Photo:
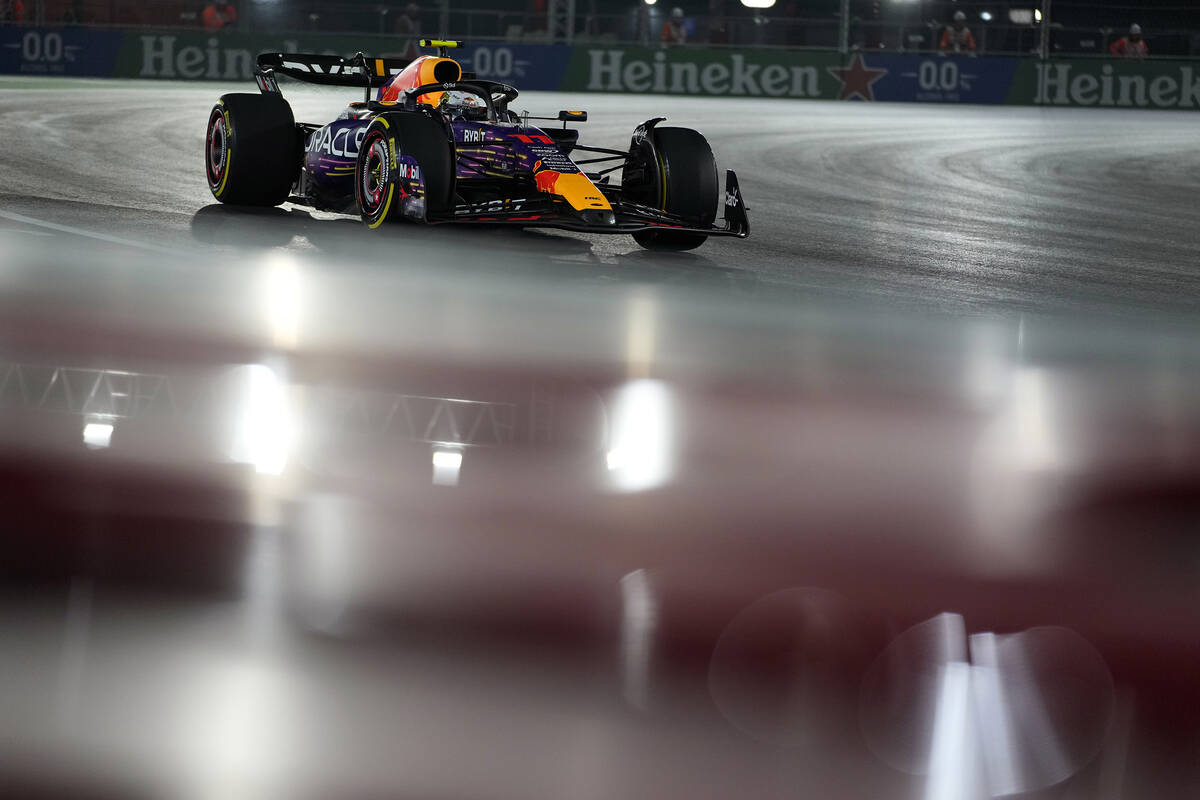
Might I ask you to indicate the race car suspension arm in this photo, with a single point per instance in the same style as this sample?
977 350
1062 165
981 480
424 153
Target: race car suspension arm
604 172
610 155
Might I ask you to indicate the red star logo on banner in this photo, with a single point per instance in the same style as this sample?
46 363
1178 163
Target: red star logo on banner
857 79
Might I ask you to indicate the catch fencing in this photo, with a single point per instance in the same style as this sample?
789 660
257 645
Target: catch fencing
998 27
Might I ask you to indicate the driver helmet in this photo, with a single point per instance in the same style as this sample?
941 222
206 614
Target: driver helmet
960 16
677 13
463 104
1135 30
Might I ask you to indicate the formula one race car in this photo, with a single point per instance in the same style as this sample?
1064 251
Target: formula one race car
436 145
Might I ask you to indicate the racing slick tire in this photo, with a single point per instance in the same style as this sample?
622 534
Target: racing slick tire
382 176
685 183
252 150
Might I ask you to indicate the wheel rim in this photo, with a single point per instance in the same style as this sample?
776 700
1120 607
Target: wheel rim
373 180
217 146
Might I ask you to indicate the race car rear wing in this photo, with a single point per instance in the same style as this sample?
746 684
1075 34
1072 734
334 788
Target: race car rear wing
357 71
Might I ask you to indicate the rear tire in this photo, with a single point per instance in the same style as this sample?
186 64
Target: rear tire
383 184
684 183
252 150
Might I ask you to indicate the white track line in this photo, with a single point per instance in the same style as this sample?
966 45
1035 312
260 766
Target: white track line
25 232
103 237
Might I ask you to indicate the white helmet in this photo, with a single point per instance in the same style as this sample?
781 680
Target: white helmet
960 16
1135 30
465 104
677 12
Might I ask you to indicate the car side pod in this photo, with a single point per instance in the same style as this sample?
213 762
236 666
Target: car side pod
736 220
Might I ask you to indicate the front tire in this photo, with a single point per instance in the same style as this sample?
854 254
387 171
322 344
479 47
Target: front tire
252 150
680 177
405 168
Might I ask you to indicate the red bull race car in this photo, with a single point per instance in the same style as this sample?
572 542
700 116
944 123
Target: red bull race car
434 145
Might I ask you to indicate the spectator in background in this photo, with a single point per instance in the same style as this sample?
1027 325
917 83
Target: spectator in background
639 17
408 22
957 38
718 31
219 16
74 14
535 19
1132 45
12 11
673 30
792 32
408 28
591 20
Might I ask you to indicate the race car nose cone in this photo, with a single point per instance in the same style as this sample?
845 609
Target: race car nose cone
604 218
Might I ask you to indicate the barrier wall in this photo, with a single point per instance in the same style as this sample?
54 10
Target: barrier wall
195 55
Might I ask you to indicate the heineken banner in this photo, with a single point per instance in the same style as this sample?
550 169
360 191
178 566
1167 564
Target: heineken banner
727 72
780 73
881 77
231 56
1158 84
195 55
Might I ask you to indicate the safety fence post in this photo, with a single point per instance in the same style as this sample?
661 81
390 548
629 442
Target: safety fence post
844 28
1044 44
560 21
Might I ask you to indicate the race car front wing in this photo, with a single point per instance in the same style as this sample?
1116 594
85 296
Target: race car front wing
626 217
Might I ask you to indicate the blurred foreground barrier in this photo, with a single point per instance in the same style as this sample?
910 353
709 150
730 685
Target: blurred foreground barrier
762 72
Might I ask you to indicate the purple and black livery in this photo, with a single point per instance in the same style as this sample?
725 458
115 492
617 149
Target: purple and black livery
451 151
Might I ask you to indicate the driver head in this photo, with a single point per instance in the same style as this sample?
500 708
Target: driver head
463 105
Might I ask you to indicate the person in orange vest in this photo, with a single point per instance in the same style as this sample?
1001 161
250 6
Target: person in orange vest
217 16
673 31
957 38
1131 45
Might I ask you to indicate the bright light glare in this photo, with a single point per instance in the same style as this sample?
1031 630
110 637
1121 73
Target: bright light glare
651 2
953 772
326 565
639 619
988 371
986 16
1037 14
263 436
281 294
97 435
446 466
758 3
639 456
229 730
993 711
1035 438
641 334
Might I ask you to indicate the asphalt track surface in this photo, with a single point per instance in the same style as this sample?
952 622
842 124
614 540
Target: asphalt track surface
957 209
